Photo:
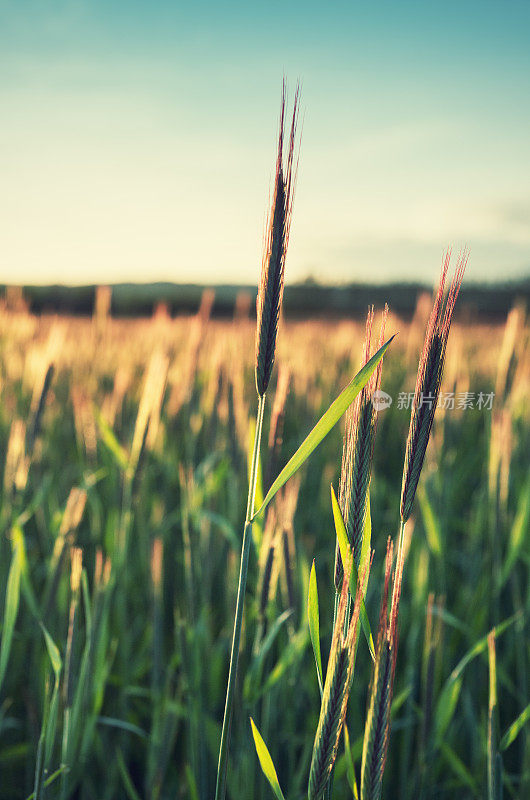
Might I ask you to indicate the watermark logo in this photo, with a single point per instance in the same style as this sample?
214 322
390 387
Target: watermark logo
449 401
381 400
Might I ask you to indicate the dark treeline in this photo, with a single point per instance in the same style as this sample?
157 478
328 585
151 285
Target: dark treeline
301 300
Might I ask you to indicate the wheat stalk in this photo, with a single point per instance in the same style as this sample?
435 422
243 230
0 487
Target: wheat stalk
428 383
376 731
339 677
268 312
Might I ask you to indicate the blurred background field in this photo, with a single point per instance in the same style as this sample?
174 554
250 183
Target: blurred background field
302 299
124 442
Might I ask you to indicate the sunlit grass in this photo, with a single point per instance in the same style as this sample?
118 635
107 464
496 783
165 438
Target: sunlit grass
149 421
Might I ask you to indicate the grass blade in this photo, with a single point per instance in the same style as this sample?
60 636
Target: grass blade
517 534
128 784
18 543
492 717
459 768
48 782
449 695
314 624
432 526
257 527
192 785
515 728
266 762
110 441
350 766
251 683
324 425
53 652
11 610
291 653
446 707
123 725
51 723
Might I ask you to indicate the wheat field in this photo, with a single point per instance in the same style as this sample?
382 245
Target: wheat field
125 450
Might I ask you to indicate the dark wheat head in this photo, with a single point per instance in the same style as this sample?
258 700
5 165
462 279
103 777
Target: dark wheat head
270 291
357 454
428 382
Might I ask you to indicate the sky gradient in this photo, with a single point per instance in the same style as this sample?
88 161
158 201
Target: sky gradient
138 139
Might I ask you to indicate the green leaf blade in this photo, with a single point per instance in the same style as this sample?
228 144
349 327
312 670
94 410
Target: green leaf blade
11 610
448 699
517 533
108 437
431 523
459 768
314 624
324 425
515 728
446 707
53 652
266 762
251 684
19 543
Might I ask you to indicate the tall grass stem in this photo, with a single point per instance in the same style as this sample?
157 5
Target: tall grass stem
220 788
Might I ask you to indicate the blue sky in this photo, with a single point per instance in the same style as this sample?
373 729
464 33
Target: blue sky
138 139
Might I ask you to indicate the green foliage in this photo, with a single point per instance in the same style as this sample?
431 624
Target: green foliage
136 731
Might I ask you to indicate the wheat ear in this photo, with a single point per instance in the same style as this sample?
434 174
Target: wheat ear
429 379
268 312
357 453
270 293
